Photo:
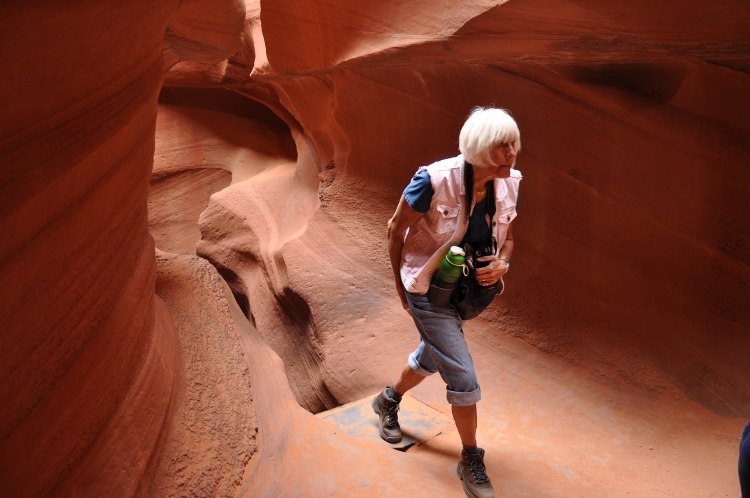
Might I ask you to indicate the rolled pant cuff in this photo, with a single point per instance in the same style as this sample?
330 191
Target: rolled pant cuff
414 365
464 399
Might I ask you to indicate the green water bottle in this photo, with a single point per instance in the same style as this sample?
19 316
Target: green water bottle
452 265
446 277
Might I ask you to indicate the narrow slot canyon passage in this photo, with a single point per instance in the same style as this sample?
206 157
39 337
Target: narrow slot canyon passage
195 260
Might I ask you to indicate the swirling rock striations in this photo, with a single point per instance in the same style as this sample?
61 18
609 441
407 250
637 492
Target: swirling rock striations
634 138
92 365
280 136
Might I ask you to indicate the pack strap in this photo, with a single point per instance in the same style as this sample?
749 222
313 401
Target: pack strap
490 206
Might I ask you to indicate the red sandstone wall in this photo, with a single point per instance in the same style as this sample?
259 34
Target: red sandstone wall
92 368
84 351
620 230
634 239
632 257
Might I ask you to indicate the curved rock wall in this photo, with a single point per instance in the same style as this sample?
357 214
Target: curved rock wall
285 134
633 241
92 367
85 350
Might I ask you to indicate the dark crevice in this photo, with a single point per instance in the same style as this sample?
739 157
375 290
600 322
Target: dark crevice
223 100
297 319
236 286
653 82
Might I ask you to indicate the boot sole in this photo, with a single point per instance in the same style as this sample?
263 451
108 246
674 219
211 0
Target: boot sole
463 483
385 438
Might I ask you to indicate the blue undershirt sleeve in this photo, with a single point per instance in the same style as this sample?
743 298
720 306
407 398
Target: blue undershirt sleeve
418 193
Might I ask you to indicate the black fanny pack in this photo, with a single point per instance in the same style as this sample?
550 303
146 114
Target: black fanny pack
470 299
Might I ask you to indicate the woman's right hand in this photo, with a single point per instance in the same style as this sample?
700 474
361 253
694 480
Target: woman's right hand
404 217
402 296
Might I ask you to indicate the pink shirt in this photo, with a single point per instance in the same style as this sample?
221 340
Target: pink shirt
444 224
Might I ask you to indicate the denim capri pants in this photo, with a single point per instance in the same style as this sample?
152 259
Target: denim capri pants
443 349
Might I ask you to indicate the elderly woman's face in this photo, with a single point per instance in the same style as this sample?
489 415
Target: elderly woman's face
503 153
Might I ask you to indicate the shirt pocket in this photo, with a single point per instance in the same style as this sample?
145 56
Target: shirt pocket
506 216
446 218
500 225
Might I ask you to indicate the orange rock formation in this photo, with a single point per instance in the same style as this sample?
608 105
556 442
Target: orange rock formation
194 197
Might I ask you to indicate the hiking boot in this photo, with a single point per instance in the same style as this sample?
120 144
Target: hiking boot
387 409
472 473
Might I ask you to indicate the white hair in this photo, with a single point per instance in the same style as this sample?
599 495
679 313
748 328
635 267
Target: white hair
484 128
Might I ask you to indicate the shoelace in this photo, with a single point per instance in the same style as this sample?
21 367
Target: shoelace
479 471
392 414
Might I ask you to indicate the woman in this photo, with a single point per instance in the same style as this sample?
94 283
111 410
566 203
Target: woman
434 214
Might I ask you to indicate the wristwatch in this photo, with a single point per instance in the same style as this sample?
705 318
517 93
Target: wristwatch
507 265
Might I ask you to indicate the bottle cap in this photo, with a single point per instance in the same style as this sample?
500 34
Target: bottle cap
457 251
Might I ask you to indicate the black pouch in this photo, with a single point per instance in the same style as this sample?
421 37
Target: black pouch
440 292
470 299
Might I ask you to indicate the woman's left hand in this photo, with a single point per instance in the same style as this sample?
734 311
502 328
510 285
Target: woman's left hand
490 274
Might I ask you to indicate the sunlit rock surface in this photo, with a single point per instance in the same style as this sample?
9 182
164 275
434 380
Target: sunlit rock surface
194 198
